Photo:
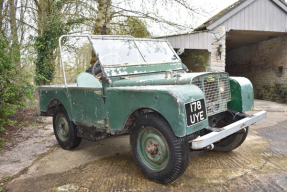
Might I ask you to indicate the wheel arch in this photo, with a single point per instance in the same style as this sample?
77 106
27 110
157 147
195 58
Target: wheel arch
135 114
51 107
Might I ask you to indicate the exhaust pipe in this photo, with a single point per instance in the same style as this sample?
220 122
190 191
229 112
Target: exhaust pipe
208 147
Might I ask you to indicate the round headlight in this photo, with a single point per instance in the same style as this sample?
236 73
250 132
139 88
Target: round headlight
222 87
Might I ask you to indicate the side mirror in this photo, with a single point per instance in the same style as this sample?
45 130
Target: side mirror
180 51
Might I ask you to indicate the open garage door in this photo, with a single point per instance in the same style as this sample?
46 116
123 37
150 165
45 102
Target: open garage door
262 58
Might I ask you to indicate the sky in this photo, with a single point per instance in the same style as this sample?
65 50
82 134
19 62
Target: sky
176 14
212 7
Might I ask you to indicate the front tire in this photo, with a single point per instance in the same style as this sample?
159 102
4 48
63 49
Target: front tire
160 155
233 141
65 130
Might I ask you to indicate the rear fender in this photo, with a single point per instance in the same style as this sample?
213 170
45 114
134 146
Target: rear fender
51 97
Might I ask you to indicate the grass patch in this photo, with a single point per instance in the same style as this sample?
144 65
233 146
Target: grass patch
41 156
7 179
29 123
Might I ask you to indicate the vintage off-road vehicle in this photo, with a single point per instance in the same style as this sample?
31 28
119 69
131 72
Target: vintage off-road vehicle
141 87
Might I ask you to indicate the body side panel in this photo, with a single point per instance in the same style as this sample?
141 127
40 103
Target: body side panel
88 105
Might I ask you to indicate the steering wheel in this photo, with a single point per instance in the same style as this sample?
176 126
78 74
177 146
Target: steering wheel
96 71
111 54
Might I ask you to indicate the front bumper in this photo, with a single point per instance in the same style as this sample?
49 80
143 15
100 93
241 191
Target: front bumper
213 137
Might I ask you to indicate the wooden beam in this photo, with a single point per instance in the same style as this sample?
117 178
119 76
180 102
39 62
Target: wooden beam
280 4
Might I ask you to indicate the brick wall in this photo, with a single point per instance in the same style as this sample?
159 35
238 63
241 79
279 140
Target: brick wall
265 64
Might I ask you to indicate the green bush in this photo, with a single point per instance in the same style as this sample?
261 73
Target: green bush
14 87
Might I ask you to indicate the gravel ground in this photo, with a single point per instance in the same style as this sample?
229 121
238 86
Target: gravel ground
260 164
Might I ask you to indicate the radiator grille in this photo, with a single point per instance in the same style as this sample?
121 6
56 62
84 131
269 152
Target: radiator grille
217 92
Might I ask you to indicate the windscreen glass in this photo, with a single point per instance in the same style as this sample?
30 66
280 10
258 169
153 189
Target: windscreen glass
117 51
126 51
156 51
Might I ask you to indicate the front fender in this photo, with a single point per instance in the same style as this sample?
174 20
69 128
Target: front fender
242 96
167 100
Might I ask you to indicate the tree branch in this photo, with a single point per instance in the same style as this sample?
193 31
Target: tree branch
37 4
28 25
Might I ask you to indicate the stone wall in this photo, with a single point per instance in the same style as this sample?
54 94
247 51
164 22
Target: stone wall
265 64
196 60
218 38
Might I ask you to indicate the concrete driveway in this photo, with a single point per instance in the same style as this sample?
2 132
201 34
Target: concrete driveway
260 164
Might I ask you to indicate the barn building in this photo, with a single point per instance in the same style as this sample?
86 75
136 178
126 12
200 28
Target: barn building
249 39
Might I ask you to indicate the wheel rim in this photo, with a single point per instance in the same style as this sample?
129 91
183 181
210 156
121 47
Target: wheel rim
62 127
153 148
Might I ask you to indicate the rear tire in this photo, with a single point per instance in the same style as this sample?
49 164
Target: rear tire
231 142
170 158
65 130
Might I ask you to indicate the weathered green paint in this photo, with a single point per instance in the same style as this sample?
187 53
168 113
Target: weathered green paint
87 105
154 91
48 94
178 78
83 105
163 87
242 96
143 68
148 136
167 100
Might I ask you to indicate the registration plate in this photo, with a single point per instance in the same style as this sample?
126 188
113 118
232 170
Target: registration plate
195 112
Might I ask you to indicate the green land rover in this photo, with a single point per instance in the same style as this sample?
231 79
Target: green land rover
140 87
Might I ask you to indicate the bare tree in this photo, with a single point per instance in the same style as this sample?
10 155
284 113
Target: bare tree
14 33
109 10
102 24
